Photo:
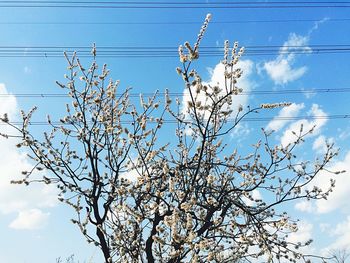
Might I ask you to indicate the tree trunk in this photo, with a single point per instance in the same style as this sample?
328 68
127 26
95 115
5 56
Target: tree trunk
103 244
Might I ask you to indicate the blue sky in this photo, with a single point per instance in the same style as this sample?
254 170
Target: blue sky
37 228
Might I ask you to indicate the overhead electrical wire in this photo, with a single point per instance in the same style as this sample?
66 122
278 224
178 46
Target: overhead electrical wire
168 47
247 119
172 2
167 22
174 5
164 51
179 94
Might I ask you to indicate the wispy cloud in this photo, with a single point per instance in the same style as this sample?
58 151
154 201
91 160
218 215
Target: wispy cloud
320 144
341 232
30 219
291 111
19 199
317 25
304 234
338 198
288 135
281 70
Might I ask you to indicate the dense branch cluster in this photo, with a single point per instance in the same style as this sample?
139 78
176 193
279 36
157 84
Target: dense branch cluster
193 199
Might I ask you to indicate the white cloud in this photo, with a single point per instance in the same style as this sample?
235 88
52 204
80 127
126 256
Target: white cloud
290 111
18 198
308 93
339 198
317 25
320 144
7 104
218 79
342 133
303 234
281 69
342 236
281 72
308 124
30 219
256 195
304 206
241 131
132 173
294 42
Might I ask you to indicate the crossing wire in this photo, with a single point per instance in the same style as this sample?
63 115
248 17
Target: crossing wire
174 2
247 119
164 51
169 22
174 5
178 94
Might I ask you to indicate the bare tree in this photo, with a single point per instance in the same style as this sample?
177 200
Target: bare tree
340 256
69 259
192 199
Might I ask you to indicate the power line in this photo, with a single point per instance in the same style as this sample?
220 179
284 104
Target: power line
175 2
163 51
247 119
174 5
179 94
170 22
172 47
